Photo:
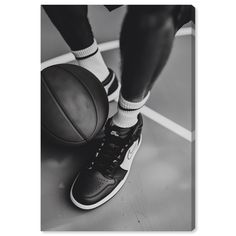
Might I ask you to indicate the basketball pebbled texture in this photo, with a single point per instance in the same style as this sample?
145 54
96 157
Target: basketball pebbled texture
74 104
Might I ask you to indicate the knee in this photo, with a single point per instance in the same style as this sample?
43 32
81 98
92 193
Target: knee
151 17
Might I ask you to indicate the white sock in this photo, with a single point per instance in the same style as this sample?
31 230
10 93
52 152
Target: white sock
127 113
91 59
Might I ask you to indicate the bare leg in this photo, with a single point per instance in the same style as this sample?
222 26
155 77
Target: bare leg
146 40
72 23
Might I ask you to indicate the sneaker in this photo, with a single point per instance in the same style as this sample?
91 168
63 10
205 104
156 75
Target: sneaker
112 86
109 169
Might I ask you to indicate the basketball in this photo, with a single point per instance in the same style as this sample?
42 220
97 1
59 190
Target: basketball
74 104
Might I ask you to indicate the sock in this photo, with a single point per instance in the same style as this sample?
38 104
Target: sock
127 113
91 59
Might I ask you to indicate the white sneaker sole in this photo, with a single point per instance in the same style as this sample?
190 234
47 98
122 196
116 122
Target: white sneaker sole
109 196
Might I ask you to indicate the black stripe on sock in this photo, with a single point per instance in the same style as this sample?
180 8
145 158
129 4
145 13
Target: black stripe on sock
125 109
108 79
82 58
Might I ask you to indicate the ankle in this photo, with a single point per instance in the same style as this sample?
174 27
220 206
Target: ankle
91 59
127 114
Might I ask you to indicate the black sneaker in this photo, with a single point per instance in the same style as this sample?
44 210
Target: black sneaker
110 167
112 86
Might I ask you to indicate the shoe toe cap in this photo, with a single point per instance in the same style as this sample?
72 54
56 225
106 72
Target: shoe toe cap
91 187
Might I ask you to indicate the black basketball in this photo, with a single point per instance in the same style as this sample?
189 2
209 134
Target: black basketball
74 104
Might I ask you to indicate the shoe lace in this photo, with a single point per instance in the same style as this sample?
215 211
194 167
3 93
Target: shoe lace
108 155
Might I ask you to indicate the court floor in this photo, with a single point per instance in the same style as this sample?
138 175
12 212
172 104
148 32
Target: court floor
159 192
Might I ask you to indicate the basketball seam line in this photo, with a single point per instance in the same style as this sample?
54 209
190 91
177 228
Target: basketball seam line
62 139
61 107
93 100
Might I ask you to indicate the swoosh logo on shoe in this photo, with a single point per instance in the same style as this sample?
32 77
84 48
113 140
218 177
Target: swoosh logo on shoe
131 151
129 157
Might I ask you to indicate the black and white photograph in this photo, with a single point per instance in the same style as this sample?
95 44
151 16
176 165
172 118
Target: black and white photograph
118 117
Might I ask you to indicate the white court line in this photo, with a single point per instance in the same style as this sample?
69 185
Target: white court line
151 114
104 47
167 123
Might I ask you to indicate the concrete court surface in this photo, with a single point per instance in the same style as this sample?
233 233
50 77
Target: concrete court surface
159 192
